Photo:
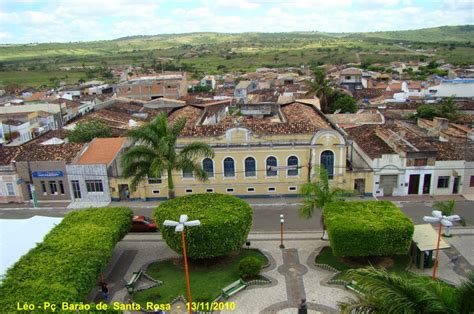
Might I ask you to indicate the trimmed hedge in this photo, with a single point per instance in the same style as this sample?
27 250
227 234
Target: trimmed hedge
225 224
376 228
66 265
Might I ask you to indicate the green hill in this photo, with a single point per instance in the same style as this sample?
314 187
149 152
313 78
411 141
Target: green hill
213 53
462 33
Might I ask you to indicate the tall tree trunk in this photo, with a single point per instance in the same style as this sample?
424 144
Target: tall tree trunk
171 194
325 235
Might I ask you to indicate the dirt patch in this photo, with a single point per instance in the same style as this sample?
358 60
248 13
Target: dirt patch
376 261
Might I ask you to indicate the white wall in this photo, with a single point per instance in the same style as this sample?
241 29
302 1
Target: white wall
466 180
447 168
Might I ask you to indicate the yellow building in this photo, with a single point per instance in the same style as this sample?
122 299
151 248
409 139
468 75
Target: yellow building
260 150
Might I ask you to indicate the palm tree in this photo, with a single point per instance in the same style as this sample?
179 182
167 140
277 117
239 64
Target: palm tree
319 87
381 291
448 109
447 208
155 153
317 194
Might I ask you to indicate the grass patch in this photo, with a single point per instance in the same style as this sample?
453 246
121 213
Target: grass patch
207 277
396 263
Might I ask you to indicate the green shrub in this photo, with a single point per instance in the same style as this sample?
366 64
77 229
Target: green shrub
375 228
66 265
86 131
250 267
225 224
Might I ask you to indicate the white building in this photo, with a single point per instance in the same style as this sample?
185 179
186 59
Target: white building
459 88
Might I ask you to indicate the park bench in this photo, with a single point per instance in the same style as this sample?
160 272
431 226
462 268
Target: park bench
353 286
233 288
130 285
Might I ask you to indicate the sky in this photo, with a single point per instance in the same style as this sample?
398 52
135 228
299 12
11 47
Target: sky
31 21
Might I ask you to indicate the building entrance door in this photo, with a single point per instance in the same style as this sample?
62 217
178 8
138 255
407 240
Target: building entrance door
388 183
426 184
124 192
359 186
414 184
456 185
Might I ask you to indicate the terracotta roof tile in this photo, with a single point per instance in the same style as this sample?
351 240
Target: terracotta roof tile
102 151
300 119
370 143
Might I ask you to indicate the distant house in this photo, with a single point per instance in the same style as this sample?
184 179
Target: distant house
243 88
208 81
351 78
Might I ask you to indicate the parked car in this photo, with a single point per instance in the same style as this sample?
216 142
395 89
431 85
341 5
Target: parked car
143 224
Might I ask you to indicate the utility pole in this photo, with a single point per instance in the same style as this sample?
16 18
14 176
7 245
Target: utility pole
32 186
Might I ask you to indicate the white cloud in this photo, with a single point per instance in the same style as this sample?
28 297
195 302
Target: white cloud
94 20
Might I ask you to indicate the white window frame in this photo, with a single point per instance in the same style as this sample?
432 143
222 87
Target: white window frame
227 190
250 188
155 191
13 188
271 187
292 188
210 190
188 191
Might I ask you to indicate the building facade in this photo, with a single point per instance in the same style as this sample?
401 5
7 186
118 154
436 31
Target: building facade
264 155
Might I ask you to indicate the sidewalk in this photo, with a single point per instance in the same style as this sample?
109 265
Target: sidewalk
260 201
422 198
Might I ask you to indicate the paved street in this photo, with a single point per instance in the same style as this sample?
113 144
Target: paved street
266 212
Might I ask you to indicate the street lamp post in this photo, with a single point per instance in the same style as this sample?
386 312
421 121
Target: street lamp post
447 221
282 221
30 186
179 227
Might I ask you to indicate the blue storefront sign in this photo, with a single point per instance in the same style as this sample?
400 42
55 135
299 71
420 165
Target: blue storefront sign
48 174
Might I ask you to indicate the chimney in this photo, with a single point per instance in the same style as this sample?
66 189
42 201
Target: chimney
440 123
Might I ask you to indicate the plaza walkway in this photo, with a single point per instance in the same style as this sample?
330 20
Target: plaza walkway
292 271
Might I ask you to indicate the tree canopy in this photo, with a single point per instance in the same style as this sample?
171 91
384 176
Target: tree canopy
88 130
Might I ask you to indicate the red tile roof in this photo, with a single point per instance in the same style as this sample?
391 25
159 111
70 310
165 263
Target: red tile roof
102 151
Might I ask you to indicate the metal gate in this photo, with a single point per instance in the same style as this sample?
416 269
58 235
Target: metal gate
388 184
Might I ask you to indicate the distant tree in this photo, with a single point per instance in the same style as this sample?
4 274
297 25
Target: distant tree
319 87
344 102
448 109
200 89
222 68
88 130
425 112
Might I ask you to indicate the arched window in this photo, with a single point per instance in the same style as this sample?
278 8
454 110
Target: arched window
271 167
208 166
250 170
292 164
327 161
229 167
